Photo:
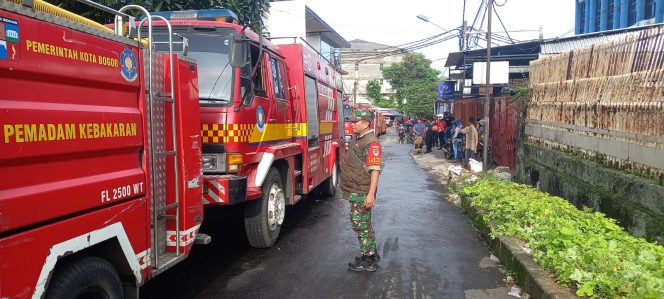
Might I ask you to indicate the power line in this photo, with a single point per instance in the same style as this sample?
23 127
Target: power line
500 5
413 46
481 10
501 21
406 45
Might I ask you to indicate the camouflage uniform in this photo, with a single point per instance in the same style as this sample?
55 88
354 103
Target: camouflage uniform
360 217
364 156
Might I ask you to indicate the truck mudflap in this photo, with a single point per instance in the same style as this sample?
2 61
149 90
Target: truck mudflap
224 189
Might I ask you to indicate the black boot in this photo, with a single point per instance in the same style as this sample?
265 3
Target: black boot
375 257
364 263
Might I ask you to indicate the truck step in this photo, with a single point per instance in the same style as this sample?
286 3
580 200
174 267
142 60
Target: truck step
298 173
202 239
297 198
165 154
166 261
164 96
168 207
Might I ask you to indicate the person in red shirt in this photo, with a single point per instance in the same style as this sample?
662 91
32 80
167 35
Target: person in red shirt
441 134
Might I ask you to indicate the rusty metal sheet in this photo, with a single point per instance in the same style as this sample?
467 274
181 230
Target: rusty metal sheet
464 109
504 126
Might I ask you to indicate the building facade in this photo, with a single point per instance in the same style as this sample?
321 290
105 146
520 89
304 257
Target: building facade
292 21
364 61
603 15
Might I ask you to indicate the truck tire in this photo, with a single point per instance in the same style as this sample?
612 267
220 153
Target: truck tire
330 185
90 277
263 217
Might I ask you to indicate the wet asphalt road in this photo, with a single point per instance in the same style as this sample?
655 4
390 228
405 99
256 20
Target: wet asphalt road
428 249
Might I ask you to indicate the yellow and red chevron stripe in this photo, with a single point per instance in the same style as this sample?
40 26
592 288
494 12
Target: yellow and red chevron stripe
213 133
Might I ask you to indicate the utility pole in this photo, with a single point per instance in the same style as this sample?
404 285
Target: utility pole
357 81
489 92
541 32
464 47
463 35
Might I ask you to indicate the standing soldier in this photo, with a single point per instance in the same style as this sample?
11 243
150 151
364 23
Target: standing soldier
359 183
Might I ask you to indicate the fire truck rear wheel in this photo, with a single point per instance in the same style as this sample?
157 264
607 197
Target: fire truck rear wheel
330 185
263 217
90 277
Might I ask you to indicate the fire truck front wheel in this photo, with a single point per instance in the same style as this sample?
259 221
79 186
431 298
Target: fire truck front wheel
330 185
263 217
89 277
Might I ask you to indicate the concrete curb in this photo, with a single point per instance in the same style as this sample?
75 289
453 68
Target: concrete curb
528 274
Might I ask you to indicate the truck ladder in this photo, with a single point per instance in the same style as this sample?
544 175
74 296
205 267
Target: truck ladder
162 143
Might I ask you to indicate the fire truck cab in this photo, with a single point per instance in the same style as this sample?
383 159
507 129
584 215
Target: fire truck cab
270 122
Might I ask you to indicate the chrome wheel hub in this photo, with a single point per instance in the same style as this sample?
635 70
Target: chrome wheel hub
276 207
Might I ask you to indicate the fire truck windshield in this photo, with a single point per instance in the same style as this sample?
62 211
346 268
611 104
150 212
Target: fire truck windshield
210 49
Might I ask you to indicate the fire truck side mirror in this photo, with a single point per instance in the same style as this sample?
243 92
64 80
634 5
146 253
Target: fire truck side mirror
185 43
238 50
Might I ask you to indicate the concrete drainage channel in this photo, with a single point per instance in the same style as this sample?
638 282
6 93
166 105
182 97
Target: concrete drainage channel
535 281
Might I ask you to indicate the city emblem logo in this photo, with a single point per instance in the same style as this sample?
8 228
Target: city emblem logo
11 33
128 63
260 119
376 151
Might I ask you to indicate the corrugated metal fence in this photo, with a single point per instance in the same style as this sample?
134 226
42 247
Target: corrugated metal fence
607 100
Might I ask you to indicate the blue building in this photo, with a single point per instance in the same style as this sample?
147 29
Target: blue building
602 15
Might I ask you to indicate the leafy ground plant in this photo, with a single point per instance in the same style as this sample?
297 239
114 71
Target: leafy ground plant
584 249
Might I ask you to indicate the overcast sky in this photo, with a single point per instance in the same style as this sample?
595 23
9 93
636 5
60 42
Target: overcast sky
391 22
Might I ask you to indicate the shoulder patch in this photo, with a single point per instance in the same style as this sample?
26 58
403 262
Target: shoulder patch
374 157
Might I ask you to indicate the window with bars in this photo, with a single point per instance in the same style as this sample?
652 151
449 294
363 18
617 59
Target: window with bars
598 14
631 12
610 14
582 15
650 9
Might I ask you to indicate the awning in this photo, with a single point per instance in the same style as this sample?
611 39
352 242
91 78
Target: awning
316 25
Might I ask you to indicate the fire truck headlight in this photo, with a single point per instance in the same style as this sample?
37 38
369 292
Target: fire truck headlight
233 163
210 162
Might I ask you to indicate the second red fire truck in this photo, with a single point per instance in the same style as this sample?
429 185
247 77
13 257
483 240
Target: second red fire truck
270 119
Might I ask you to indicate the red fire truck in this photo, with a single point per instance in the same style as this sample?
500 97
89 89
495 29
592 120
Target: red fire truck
107 143
100 172
269 119
348 130
379 123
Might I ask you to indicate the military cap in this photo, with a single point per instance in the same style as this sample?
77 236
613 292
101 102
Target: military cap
361 115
